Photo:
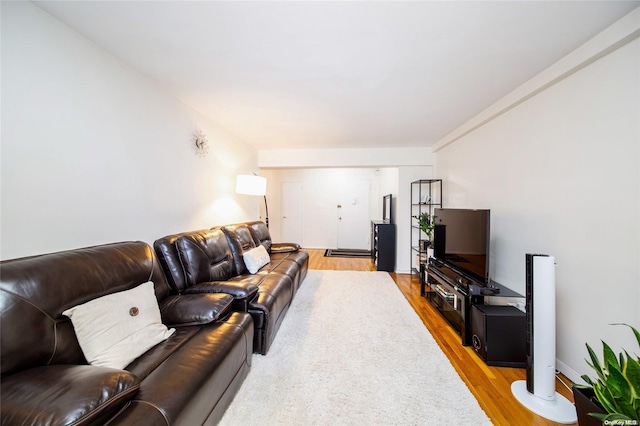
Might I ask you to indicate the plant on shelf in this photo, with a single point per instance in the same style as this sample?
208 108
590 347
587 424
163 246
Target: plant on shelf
426 222
617 386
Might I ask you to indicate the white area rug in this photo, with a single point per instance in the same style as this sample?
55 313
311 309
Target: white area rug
352 351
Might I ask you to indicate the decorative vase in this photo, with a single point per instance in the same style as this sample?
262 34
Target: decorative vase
425 244
585 404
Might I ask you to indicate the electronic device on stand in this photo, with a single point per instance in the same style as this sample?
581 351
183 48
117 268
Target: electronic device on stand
457 277
458 272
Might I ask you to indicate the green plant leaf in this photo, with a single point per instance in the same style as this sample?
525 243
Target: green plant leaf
609 357
625 408
618 383
604 397
595 364
587 379
632 373
599 416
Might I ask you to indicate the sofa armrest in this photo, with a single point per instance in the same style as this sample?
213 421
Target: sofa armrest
195 309
237 289
284 247
66 394
243 292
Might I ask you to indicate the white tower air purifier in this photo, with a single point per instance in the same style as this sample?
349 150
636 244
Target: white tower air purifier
538 392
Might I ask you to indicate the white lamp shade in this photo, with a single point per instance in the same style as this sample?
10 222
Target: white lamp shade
251 185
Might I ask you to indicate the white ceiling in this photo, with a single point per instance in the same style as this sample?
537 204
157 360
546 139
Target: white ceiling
339 74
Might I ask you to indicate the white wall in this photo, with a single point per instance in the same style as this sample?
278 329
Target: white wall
93 153
345 157
321 193
560 172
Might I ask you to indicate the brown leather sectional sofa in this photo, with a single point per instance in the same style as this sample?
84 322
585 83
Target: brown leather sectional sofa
190 378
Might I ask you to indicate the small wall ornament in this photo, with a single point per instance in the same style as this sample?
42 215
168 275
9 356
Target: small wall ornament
200 143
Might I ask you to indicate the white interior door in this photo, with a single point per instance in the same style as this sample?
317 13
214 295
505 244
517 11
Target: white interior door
354 214
291 220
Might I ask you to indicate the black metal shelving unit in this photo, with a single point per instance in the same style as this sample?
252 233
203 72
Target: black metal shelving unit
426 196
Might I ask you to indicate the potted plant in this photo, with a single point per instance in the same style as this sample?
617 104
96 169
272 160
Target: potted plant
426 222
616 389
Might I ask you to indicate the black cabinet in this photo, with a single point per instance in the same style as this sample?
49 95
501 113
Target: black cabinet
383 245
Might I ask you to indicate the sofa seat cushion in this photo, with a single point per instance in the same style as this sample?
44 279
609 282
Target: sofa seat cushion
195 309
300 257
247 279
197 368
282 267
278 285
115 329
66 394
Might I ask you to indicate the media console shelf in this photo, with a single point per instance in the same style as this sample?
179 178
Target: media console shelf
453 295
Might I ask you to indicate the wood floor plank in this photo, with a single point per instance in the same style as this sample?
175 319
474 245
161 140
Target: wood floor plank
490 385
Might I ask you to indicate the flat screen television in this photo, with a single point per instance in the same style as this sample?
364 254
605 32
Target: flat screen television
387 208
461 241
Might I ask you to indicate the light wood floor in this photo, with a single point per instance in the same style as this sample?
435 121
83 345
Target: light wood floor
490 385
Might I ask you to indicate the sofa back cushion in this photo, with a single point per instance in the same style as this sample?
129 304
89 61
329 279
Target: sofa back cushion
240 240
169 258
34 291
261 234
205 256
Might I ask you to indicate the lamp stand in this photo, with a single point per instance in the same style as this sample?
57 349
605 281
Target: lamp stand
266 212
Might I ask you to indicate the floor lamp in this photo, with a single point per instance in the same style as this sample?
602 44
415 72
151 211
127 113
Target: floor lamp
254 185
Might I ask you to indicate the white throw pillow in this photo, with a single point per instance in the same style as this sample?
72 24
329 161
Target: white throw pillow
115 329
256 258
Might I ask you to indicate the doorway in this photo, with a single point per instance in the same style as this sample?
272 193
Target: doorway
353 209
291 217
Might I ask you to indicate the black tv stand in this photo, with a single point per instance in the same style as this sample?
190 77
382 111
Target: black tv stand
450 292
453 293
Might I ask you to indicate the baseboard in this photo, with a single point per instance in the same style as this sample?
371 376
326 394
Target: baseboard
571 374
